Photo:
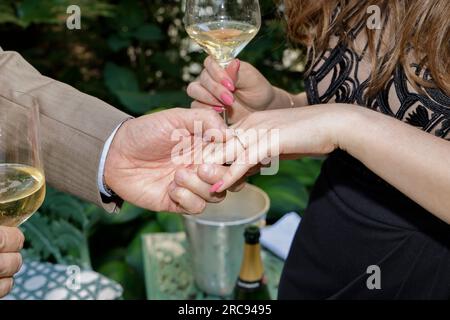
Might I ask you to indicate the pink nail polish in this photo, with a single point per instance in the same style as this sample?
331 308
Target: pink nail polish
227 99
218 109
228 84
216 187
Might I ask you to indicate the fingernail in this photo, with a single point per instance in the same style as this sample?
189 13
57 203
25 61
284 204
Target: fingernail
218 109
227 99
216 187
228 84
238 62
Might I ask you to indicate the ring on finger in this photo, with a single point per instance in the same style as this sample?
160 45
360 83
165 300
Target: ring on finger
239 138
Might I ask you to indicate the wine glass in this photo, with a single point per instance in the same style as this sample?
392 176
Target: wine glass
22 180
222 27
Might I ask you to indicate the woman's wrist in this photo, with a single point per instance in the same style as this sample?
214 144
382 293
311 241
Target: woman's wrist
351 123
281 99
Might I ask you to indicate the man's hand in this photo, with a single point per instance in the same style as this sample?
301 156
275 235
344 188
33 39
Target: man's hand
140 170
11 242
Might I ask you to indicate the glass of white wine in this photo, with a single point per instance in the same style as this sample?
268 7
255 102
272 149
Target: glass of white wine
223 28
22 180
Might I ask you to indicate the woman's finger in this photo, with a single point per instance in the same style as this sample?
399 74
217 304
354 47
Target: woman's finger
11 239
6 285
225 153
237 143
196 91
188 201
245 161
211 173
10 264
218 74
216 89
238 186
188 179
200 105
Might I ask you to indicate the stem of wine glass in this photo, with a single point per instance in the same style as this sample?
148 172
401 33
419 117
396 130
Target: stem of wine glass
224 65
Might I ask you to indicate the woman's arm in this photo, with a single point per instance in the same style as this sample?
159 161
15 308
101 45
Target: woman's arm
415 162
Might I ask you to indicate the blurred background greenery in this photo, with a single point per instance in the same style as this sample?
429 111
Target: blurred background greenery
135 55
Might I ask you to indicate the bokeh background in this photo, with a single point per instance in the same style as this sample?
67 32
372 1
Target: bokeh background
135 55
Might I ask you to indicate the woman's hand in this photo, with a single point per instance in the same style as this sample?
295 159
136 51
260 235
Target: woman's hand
197 182
11 242
240 88
263 135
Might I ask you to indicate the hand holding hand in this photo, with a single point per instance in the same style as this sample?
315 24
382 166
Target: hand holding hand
11 242
139 166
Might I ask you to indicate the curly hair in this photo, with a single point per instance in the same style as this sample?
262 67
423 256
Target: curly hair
412 31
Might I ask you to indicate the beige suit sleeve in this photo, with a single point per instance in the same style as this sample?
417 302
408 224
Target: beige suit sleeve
74 125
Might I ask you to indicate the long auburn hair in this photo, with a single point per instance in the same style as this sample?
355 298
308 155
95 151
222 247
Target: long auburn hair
412 31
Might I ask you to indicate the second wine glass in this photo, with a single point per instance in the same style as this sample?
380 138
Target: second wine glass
222 27
22 181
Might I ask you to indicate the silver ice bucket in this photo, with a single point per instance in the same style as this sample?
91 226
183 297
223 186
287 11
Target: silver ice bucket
216 238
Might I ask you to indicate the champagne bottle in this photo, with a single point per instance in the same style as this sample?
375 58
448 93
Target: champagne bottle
251 284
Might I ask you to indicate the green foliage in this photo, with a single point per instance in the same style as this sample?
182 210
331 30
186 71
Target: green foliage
135 55
289 189
26 12
60 231
126 275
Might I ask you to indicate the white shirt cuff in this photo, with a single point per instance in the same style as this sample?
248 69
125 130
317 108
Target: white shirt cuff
101 167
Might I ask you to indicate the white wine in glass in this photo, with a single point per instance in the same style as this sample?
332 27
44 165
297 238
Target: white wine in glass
222 27
22 180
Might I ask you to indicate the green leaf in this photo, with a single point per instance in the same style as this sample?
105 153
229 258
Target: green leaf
148 32
116 43
31 11
38 233
140 103
129 16
286 194
155 110
305 170
171 68
51 11
284 200
72 241
93 215
59 232
128 213
61 205
120 78
130 280
8 14
134 250
112 254
170 222
69 236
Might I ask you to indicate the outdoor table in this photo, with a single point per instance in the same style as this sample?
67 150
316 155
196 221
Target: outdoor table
168 271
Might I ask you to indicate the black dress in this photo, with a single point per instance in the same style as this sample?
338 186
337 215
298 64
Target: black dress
356 220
